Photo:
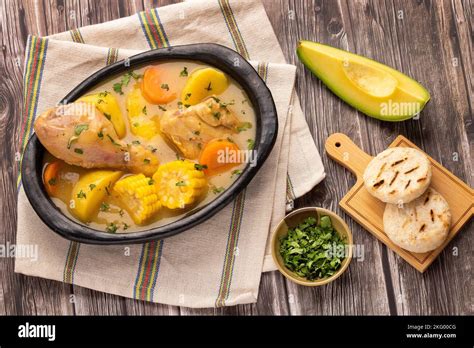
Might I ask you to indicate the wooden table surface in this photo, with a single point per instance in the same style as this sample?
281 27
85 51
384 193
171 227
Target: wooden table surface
429 40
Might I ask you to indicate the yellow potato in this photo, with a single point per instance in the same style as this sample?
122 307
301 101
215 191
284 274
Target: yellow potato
89 192
142 123
109 106
202 84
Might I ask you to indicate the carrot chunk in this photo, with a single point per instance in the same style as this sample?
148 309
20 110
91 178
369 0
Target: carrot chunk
154 88
219 156
51 177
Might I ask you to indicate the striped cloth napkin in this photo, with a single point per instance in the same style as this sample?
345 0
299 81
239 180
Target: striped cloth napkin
219 262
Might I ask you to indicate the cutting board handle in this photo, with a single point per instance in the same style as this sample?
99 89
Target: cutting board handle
343 150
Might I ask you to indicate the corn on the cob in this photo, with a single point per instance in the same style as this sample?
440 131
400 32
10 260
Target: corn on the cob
179 183
139 197
142 123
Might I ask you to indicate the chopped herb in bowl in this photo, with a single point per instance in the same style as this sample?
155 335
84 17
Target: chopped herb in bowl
308 249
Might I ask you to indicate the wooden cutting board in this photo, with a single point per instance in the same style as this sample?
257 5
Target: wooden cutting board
368 210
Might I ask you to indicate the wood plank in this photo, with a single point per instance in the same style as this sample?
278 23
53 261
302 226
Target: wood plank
20 295
329 22
429 43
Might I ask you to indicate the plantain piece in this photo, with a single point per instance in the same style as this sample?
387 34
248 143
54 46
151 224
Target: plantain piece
138 194
90 191
203 83
179 183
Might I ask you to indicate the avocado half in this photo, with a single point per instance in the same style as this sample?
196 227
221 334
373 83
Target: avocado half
371 87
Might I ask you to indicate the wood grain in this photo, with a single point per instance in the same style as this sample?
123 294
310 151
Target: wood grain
429 40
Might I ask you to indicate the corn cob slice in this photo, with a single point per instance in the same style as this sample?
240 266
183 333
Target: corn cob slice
138 195
179 183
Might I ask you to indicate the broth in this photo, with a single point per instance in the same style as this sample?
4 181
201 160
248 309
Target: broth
112 215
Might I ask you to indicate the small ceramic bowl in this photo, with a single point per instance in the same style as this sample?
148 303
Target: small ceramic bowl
292 220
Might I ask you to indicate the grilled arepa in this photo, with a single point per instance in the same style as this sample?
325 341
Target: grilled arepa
418 226
398 175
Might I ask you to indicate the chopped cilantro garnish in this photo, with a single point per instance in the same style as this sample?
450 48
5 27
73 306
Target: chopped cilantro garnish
118 87
125 81
79 151
250 144
311 250
80 128
104 206
198 166
244 126
217 190
184 72
236 172
111 228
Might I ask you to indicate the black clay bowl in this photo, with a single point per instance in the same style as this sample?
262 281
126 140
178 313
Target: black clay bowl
218 56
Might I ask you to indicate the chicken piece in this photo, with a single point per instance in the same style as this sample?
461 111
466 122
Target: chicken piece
189 129
81 135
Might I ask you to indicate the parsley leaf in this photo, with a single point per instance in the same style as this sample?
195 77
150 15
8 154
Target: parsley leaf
198 166
250 144
184 72
80 128
312 250
244 126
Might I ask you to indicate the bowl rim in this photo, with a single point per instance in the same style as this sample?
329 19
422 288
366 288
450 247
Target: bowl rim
291 275
215 55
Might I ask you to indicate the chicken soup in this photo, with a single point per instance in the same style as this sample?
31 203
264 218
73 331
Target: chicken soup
144 148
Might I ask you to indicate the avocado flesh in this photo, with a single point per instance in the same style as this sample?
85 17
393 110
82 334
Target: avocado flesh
371 87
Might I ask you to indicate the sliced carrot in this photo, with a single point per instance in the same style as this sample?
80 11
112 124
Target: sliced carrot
51 177
219 156
154 88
